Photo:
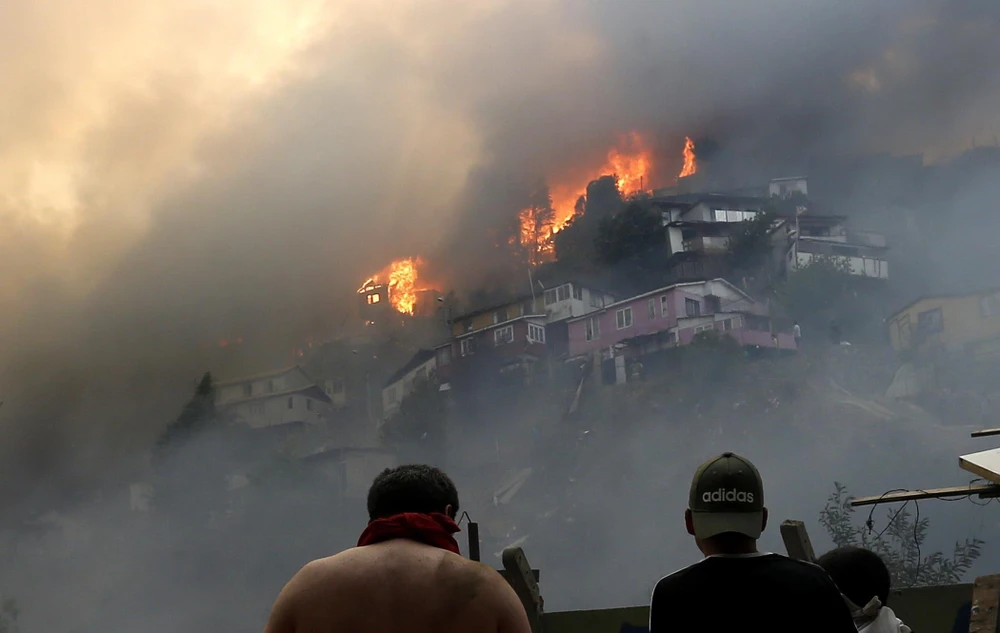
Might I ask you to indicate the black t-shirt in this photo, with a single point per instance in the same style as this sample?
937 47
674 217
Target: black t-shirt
760 593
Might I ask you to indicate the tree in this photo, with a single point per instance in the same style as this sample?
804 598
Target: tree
536 223
628 234
198 413
421 418
898 543
823 293
749 248
574 243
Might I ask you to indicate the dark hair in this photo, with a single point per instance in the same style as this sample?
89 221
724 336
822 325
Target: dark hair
411 488
860 574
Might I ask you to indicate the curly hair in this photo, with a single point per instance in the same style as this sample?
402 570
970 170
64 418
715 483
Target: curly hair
411 488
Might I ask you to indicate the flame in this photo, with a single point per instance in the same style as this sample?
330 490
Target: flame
630 161
402 277
690 159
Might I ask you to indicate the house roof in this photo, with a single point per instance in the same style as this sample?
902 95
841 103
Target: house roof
787 178
515 300
270 374
418 359
661 290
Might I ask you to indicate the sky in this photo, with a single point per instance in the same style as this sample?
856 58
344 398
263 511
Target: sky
175 173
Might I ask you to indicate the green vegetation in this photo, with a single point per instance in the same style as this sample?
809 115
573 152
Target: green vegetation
421 418
899 543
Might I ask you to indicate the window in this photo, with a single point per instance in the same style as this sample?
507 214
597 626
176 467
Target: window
727 325
291 403
596 300
713 304
270 386
733 215
556 295
309 404
651 305
468 326
504 335
930 322
692 307
737 323
704 328
373 299
624 318
536 333
467 346
500 316
336 386
663 306
593 328
528 307
989 306
257 409
247 390
578 293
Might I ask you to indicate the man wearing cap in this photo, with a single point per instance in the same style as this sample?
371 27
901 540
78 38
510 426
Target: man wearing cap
736 587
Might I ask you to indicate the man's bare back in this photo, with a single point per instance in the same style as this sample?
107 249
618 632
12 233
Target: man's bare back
397 586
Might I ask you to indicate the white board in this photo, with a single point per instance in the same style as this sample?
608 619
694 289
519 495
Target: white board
986 464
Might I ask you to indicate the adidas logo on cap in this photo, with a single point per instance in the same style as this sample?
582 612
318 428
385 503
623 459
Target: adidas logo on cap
722 494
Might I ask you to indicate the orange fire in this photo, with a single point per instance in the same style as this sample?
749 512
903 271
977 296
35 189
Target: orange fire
690 159
401 279
630 161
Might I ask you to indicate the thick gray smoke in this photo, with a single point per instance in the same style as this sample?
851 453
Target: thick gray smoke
182 173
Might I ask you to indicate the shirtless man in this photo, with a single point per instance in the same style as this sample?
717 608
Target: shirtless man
405 576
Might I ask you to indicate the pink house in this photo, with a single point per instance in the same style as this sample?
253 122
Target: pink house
671 316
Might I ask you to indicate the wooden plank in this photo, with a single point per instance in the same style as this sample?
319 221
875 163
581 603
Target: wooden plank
985 605
986 433
986 464
797 542
522 579
983 490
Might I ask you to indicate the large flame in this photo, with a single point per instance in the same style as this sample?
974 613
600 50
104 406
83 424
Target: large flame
690 159
401 278
630 161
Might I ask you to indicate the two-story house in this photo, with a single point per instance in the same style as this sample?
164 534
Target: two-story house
961 323
813 236
673 315
401 383
523 330
285 397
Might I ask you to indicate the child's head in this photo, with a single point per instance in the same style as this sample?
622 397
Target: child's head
860 574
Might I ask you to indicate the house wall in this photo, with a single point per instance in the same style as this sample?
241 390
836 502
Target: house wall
863 266
787 187
514 309
265 412
393 394
572 307
964 321
290 380
643 324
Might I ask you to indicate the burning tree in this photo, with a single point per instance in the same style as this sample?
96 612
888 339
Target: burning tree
537 221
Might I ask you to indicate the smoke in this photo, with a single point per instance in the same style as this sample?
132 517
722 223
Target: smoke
176 173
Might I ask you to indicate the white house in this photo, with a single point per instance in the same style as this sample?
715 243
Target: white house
828 236
785 187
400 384
288 396
572 299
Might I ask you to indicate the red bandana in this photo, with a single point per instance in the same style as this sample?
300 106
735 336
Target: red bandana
431 529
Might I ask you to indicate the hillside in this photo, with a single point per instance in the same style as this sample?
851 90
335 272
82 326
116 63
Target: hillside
605 489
